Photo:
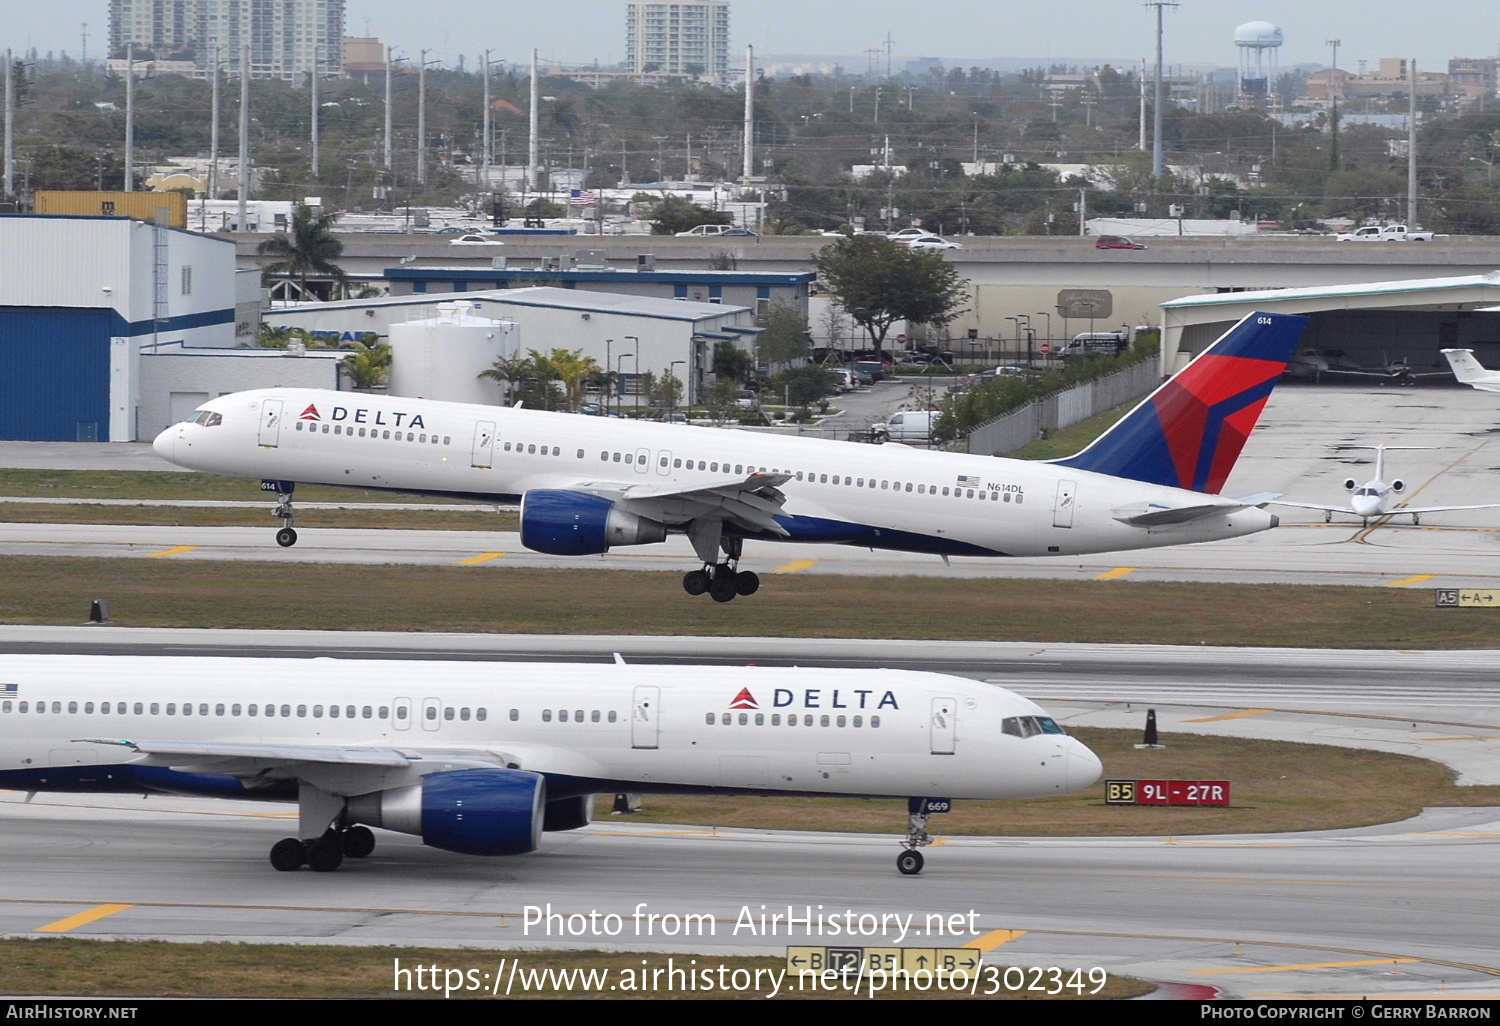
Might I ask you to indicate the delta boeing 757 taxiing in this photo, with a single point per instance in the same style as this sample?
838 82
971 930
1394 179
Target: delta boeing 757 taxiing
481 757
587 485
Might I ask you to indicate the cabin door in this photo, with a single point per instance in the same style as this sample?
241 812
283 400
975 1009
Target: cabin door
484 445
1062 512
944 727
645 727
270 423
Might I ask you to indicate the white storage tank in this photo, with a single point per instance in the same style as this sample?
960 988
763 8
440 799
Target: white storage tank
442 357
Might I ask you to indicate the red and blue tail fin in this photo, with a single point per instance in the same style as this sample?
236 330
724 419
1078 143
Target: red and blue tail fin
1189 432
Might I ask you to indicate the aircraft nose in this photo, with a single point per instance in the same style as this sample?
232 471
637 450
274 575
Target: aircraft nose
1084 766
165 444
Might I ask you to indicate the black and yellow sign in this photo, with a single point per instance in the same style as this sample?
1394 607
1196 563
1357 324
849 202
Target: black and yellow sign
856 962
1467 598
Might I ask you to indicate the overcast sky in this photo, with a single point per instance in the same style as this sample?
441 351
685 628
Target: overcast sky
1199 31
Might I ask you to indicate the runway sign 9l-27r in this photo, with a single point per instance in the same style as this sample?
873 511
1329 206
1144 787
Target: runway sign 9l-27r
1166 792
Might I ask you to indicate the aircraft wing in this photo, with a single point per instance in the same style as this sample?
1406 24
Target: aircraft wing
1317 506
273 754
751 502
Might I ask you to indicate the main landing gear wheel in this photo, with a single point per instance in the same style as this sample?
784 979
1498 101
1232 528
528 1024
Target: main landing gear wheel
725 585
747 582
288 855
358 842
909 863
325 855
286 537
695 582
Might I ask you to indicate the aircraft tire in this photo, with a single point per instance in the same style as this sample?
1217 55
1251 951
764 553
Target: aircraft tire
695 582
325 856
724 587
286 537
287 855
358 842
909 862
747 582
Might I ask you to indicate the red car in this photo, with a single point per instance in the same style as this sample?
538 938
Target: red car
1116 242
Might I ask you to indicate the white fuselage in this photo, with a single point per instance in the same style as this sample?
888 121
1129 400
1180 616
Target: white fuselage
878 496
63 720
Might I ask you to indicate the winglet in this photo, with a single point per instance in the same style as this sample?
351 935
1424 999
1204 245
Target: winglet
1189 432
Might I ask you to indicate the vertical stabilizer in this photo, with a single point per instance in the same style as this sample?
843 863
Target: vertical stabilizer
1189 432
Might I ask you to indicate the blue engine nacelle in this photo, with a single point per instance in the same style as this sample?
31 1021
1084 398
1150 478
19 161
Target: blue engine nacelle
474 812
568 523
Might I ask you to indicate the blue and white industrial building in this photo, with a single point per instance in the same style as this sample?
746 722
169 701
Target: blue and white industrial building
84 299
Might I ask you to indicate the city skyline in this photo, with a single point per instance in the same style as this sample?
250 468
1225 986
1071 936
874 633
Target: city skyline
1198 32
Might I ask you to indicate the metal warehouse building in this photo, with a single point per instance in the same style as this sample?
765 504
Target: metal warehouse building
80 299
1369 324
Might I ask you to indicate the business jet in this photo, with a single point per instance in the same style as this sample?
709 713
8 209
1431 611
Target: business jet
586 485
1471 372
480 758
1374 498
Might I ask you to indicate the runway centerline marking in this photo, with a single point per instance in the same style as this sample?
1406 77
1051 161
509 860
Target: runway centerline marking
993 939
1117 572
794 566
175 551
82 918
1242 714
483 557
1306 965
1413 579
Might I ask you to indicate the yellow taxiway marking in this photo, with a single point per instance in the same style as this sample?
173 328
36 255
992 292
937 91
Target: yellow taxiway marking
1306 965
1413 579
483 557
1468 737
1448 833
993 939
177 551
795 565
82 918
1242 714
1119 571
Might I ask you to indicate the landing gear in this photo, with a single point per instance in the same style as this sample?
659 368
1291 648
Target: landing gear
721 581
910 861
287 536
326 853
1416 520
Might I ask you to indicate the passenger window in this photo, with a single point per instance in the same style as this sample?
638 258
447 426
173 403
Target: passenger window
317 712
301 712
385 710
481 713
463 713
515 714
546 715
611 716
431 712
448 713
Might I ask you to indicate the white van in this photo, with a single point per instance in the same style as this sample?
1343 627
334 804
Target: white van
906 426
1096 343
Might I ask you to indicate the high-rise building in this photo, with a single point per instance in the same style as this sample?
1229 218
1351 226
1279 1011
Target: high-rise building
286 37
689 38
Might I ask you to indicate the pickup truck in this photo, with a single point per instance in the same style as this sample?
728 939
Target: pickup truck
1390 233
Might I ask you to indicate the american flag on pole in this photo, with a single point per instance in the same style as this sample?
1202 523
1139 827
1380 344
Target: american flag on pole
581 197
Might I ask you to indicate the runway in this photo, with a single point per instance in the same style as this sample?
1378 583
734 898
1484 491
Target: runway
1332 913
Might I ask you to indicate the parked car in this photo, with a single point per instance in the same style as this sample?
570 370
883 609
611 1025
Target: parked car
1116 242
716 231
1096 343
906 426
475 239
929 242
908 234
1390 233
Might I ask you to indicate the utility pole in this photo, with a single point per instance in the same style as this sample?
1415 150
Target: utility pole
1142 144
10 117
1333 107
389 52
749 112
316 72
422 119
1156 155
484 161
213 137
1411 152
533 158
129 118
244 183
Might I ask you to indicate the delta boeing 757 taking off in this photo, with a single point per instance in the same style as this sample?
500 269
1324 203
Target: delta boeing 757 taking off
586 485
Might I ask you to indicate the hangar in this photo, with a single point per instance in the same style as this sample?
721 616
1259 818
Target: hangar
1372 326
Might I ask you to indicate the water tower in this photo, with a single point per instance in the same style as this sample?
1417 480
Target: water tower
1258 42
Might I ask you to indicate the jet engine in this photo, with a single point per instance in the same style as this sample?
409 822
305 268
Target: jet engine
473 812
569 813
1398 486
1350 484
568 523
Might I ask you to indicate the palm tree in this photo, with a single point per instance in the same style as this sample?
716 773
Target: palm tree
310 249
368 366
571 367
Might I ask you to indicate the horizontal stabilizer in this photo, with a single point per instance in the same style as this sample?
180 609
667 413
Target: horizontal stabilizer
1153 515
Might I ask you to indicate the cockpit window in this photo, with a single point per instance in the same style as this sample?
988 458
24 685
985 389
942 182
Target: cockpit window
1030 726
207 418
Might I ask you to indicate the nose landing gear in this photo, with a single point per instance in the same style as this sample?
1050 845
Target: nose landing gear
910 861
287 536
